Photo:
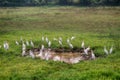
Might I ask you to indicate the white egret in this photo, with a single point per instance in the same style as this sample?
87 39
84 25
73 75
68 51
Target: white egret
68 41
43 38
32 44
49 43
72 38
55 39
92 55
86 50
46 39
41 52
60 42
17 43
60 38
83 44
71 46
27 43
31 54
6 46
23 53
23 47
105 50
111 49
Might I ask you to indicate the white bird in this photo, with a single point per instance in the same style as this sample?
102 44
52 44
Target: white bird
111 49
60 42
41 52
68 41
60 38
46 39
17 43
42 47
27 43
105 50
92 55
23 47
49 43
55 39
72 38
86 50
6 46
43 38
23 53
31 54
71 46
83 44
32 44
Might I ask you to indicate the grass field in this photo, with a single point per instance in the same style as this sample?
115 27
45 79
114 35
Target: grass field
98 27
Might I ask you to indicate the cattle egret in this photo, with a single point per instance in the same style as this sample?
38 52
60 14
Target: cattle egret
92 55
17 43
46 39
72 38
49 43
23 53
105 50
86 50
43 38
60 38
41 52
54 39
23 47
71 46
68 41
111 49
6 46
27 43
83 44
32 44
60 42
31 54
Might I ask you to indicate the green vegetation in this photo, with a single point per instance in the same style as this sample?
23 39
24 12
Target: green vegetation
96 26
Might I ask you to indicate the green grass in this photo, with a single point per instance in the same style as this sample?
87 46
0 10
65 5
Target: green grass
96 26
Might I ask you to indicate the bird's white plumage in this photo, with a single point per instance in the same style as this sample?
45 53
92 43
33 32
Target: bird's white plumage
31 43
111 49
46 39
105 50
27 43
31 54
60 42
60 38
49 43
83 44
17 43
6 46
72 38
43 38
70 45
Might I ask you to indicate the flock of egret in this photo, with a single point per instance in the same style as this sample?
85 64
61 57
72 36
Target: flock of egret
48 53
